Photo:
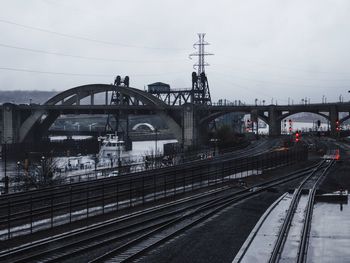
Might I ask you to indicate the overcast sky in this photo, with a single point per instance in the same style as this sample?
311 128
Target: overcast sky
263 48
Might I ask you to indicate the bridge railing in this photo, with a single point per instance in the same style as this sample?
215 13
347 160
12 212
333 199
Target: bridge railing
28 212
229 103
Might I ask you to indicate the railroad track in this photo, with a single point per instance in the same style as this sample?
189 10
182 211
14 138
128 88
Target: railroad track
44 207
284 247
309 184
259 148
128 237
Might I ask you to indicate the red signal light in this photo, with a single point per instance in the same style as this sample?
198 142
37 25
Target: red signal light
337 125
337 154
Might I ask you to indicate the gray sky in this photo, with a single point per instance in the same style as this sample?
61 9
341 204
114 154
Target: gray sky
263 49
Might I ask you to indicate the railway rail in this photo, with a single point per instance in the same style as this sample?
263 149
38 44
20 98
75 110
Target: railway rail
298 217
64 205
251 152
129 237
310 182
89 177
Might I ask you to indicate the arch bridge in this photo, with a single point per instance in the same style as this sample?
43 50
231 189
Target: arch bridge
24 123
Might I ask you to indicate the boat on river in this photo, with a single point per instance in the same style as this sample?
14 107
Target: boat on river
111 147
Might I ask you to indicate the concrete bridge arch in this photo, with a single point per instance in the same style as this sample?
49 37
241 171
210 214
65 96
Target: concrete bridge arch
286 115
215 115
143 124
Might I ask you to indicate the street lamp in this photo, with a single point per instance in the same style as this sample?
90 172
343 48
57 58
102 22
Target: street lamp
91 125
6 178
156 146
42 167
18 165
78 125
119 160
96 160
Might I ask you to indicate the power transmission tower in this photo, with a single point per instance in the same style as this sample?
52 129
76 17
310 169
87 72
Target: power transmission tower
200 86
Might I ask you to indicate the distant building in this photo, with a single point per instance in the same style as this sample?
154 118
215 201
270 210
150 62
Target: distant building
158 87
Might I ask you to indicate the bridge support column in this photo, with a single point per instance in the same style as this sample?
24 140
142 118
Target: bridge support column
254 119
189 126
333 116
106 98
92 99
10 124
274 122
193 133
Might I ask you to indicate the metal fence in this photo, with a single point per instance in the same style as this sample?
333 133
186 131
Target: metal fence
27 212
87 174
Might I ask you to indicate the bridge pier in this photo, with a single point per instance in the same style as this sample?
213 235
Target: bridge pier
274 122
10 123
333 117
255 120
193 132
189 131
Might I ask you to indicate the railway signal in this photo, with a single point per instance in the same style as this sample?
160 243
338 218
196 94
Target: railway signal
337 125
290 125
297 136
248 125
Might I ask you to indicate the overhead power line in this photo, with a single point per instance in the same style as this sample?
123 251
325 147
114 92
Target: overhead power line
80 57
105 42
81 74
55 73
